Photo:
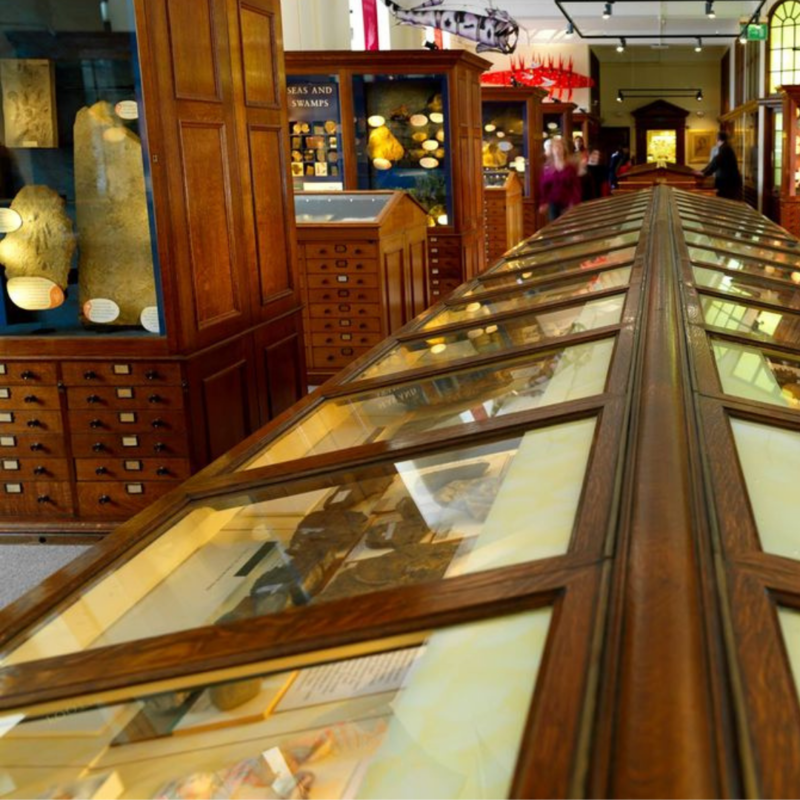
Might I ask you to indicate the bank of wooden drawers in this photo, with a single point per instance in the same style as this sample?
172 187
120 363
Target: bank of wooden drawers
127 421
356 250
125 397
338 295
118 499
361 325
132 469
342 281
120 373
122 445
445 265
345 339
349 311
341 266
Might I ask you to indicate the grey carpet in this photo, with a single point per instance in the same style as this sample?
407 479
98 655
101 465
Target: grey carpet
24 566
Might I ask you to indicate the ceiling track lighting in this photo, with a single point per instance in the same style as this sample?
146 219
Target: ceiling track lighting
621 45
699 96
570 29
608 10
743 36
620 96
698 48
710 13
639 93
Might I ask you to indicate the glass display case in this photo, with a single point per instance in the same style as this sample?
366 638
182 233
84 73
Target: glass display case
505 143
77 236
790 165
557 120
313 209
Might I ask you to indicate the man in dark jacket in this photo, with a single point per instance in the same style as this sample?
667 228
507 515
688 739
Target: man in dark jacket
727 179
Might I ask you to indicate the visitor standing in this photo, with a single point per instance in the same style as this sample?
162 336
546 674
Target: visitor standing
560 185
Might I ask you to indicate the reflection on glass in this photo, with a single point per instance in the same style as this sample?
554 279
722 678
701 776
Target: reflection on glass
495 338
539 295
344 534
770 460
763 238
729 227
791 259
339 208
736 262
448 400
758 375
453 704
492 283
559 255
753 322
557 238
739 286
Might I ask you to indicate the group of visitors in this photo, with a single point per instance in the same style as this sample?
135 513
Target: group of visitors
569 178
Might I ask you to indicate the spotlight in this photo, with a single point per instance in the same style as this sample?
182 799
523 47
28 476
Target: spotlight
570 29
431 45
698 48
699 96
620 96
607 10
743 37
710 13
621 45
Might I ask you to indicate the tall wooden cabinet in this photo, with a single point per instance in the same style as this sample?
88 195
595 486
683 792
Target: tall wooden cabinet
97 426
790 154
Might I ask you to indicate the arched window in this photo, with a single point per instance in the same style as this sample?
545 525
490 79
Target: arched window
784 45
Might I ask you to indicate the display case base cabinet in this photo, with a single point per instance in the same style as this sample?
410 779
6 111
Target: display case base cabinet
99 439
504 219
789 214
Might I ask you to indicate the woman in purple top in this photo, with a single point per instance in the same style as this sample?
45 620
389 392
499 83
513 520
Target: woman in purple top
560 187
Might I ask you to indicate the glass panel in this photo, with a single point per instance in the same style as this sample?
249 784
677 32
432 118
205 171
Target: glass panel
559 255
539 295
402 126
77 235
741 234
756 323
745 250
454 705
315 128
728 227
505 142
345 534
445 401
496 338
733 284
362 207
662 146
559 235
582 235
491 283
770 460
728 261
758 375
789 619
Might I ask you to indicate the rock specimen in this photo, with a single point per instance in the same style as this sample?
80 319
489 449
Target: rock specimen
382 144
44 244
29 111
116 258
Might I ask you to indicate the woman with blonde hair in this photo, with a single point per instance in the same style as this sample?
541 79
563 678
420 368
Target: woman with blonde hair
560 186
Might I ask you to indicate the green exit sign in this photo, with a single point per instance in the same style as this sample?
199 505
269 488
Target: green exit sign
757 33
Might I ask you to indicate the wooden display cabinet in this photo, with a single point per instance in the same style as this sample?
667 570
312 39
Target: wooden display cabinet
504 216
790 178
362 273
382 87
644 176
95 426
521 107
557 120
588 126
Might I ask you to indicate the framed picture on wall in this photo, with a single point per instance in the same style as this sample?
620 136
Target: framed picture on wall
29 103
700 144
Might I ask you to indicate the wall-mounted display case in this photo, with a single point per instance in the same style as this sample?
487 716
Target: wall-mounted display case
412 129
450 567
513 142
148 258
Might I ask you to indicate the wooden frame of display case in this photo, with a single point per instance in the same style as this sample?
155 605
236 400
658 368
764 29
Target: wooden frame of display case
458 246
664 673
532 98
232 356
588 126
769 164
504 217
789 195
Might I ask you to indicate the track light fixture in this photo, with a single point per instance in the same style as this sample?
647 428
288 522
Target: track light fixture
699 96
570 29
621 45
710 13
620 96
698 48
743 36
608 10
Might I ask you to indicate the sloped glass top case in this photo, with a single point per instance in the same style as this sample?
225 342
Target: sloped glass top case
531 297
751 266
496 337
598 247
452 702
756 374
447 400
788 257
741 235
775 293
770 460
319 208
342 534
490 283
758 323
569 237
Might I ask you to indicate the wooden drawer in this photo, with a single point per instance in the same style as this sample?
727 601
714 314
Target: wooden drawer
100 499
445 262
35 498
342 281
28 373
34 469
368 324
447 272
126 421
327 357
337 295
120 373
346 266
30 420
340 249
115 445
29 397
25 444
346 339
346 310
125 397
132 469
